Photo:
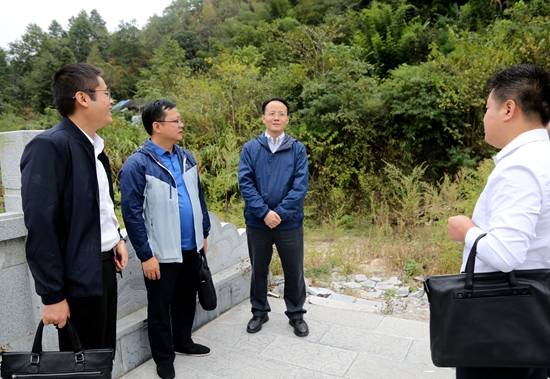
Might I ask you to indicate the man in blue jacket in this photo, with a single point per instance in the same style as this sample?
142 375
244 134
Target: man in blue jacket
273 179
167 221
73 244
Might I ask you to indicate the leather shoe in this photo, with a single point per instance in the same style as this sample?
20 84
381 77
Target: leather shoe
300 327
194 349
255 323
166 370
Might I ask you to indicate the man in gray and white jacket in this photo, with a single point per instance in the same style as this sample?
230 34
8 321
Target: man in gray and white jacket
167 221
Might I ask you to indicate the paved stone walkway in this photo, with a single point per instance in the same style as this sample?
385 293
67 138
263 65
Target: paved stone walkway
345 341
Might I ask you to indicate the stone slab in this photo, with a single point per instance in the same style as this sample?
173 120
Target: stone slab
15 309
343 298
375 367
132 349
404 328
11 148
147 371
419 353
221 363
132 294
13 226
319 291
345 316
12 252
359 305
226 246
367 342
234 333
131 322
323 358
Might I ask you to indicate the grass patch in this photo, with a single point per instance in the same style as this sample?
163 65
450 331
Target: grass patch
424 252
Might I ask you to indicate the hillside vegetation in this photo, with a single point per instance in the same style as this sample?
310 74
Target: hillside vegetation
388 97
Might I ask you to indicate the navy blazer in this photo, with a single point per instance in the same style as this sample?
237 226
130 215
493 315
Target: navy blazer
61 208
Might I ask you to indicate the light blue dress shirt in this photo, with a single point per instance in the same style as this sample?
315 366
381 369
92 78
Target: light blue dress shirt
172 162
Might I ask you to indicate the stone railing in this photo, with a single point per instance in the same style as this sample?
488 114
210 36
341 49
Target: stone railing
20 310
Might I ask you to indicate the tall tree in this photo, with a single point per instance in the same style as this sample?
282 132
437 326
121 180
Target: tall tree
21 57
127 55
55 30
168 66
85 31
4 81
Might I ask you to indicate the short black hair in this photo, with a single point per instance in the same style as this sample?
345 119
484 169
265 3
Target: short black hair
279 99
154 111
528 85
72 78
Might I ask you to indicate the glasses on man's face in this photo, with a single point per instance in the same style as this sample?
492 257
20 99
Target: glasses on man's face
89 90
107 91
176 121
278 114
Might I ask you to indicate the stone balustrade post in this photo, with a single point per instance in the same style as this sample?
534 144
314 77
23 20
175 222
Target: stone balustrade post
11 149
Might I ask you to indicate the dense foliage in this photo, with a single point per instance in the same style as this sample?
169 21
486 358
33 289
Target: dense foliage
373 85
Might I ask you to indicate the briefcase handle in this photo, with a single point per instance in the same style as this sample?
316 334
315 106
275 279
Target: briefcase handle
203 257
37 345
470 266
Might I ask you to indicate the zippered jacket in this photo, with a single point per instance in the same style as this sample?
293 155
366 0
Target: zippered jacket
61 206
150 204
273 181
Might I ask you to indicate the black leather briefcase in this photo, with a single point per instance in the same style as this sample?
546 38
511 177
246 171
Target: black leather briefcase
207 291
94 363
491 319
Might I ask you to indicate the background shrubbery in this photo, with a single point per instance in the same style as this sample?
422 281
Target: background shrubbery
387 96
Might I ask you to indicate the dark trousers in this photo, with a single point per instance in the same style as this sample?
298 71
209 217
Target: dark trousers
171 303
290 246
500 373
94 318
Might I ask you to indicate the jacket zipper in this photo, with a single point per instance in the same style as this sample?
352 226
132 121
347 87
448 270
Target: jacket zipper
60 375
168 171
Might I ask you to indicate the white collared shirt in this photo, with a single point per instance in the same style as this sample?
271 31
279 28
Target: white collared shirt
514 208
274 142
109 223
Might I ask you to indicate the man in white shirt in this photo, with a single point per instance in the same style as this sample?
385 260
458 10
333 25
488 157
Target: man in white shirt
73 244
514 207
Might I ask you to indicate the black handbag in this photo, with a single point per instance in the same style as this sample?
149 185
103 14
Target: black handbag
493 319
207 291
93 363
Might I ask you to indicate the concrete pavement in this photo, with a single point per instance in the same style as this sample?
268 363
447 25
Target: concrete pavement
344 342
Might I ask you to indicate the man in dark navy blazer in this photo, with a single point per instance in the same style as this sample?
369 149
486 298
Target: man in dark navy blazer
74 246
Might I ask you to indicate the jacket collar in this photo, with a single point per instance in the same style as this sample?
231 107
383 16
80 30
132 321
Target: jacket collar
73 130
159 151
150 147
286 144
